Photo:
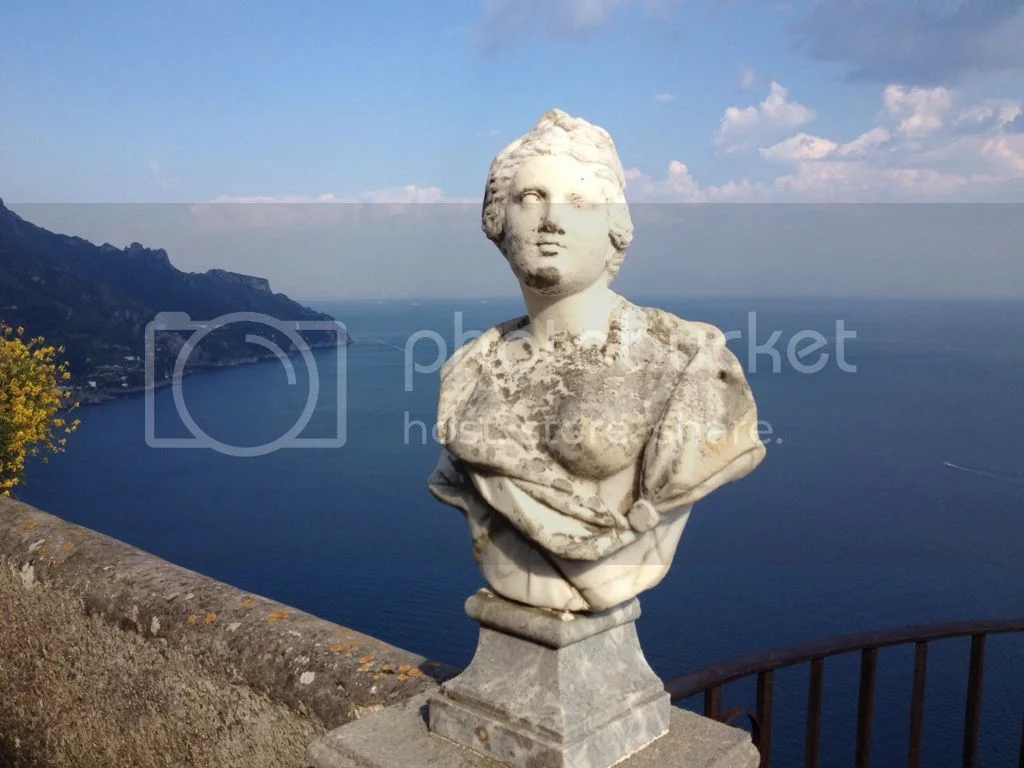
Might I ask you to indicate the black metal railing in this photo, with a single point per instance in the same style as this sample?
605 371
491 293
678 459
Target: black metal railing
711 681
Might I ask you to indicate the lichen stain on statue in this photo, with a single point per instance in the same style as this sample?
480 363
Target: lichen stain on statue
577 438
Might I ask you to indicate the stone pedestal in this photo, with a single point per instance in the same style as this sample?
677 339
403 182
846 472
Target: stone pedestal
552 690
544 690
397 737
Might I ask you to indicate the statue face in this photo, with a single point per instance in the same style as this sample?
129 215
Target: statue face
556 226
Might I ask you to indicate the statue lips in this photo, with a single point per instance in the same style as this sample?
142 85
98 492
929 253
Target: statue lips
550 247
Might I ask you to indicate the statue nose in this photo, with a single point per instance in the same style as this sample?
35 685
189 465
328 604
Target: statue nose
551 221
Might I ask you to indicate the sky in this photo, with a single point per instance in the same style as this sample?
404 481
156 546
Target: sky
341 149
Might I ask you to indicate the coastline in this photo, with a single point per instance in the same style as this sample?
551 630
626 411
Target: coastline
86 396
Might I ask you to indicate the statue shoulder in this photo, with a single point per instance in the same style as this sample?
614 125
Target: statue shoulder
472 351
687 336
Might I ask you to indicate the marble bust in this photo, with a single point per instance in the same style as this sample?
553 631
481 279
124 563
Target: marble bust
577 438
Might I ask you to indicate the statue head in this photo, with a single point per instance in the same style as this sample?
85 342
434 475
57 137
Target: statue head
555 205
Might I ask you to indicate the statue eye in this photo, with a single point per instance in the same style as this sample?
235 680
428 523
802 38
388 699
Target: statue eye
529 196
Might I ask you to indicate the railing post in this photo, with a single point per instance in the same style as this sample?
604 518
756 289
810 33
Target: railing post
710 683
917 703
1020 760
812 737
972 714
713 702
765 696
866 706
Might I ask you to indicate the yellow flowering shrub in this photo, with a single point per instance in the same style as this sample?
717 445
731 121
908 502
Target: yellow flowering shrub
34 406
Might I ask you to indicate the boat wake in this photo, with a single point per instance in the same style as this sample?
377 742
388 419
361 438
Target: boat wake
1005 477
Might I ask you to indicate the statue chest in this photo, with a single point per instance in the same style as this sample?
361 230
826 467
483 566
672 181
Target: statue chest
591 416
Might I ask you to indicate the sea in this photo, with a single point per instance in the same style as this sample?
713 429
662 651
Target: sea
892 494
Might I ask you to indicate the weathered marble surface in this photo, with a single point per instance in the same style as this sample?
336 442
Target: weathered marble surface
576 438
398 738
552 689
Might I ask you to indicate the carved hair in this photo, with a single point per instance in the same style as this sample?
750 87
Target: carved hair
557 133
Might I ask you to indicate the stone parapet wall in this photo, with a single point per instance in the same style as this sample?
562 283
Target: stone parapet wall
110 656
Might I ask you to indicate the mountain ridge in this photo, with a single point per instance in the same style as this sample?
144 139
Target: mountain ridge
96 301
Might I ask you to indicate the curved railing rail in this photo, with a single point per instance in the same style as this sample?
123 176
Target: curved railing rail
711 680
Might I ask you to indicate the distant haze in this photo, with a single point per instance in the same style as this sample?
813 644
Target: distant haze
317 251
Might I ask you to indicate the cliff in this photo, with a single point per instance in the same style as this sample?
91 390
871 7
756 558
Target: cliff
96 300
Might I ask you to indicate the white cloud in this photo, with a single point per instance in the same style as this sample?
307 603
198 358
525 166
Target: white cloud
1009 114
1006 150
749 127
679 186
409 193
664 98
920 111
976 115
998 113
799 148
934 150
232 211
860 181
865 143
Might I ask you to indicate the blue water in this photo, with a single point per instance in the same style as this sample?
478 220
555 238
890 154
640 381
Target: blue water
855 521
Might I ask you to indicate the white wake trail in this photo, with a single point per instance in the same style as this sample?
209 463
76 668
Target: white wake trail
1017 480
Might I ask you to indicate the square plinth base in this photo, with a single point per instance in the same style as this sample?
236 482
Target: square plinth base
518 744
397 737
552 690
